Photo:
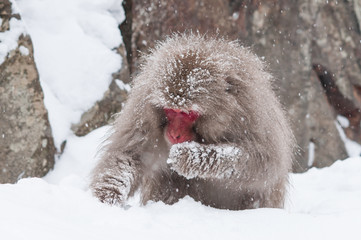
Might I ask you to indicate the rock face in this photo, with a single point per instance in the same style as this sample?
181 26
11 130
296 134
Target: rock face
295 37
292 37
26 143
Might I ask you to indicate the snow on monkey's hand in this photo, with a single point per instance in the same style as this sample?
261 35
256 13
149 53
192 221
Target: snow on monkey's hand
191 159
110 195
184 158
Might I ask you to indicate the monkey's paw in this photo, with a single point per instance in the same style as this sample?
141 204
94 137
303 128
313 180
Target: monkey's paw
109 195
185 158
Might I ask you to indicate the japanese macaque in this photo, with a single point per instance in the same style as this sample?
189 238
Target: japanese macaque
201 120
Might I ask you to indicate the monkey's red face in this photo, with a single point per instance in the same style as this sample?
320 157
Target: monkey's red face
179 127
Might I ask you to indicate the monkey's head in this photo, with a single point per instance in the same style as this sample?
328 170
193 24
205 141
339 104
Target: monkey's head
188 94
199 88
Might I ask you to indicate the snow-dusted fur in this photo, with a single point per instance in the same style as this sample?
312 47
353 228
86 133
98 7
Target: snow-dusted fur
243 151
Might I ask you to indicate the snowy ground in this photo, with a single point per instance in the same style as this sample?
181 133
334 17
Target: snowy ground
322 204
73 41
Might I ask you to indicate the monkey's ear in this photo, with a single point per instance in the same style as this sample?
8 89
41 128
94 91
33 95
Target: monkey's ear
232 85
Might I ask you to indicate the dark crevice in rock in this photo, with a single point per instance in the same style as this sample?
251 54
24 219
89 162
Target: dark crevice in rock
351 9
337 100
126 31
341 105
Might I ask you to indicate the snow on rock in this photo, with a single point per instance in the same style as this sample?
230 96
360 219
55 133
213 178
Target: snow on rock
122 85
9 39
353 148
311 154
73 48
24 51
343 121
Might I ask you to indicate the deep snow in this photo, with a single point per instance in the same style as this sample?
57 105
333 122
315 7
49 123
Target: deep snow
322 204
73 41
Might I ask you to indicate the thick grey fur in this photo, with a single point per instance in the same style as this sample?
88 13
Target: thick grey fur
240 115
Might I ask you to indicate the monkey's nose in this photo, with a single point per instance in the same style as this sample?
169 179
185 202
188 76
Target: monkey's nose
175 136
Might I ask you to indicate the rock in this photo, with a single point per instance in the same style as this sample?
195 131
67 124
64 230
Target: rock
320 121
26 142
294 37
153 20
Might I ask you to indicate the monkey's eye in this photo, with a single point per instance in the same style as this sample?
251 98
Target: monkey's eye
163 122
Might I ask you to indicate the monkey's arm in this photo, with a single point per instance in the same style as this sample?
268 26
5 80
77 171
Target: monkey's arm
191 159
114 178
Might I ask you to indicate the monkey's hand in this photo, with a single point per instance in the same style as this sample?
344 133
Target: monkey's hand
109 195
113 179
110 191
191 160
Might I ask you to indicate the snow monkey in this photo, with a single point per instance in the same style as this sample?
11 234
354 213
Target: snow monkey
201 120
